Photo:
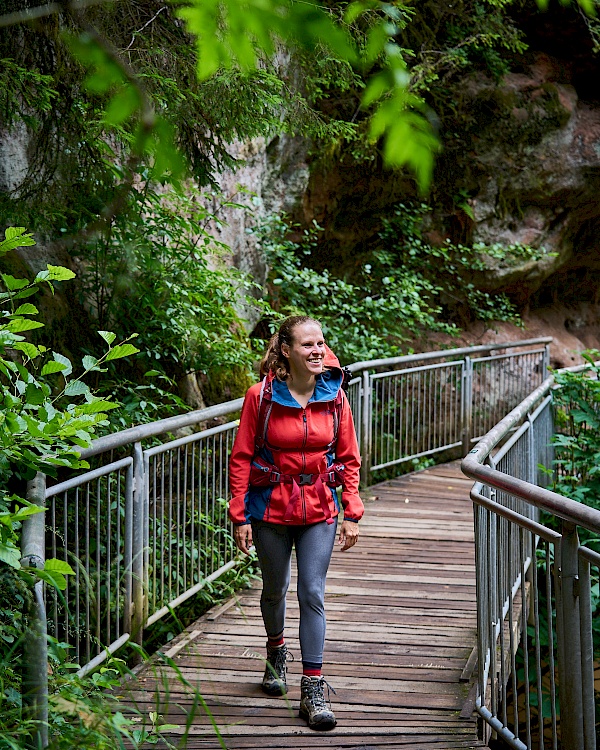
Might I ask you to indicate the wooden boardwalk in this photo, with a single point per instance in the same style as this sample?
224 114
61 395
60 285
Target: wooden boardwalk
401 629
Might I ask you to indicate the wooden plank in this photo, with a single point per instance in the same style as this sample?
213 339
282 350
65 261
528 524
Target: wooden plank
402 615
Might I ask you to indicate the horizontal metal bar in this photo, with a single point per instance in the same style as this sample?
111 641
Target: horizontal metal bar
500 357
472 466
509 443
543 531
463 351
569 510
144 431
423 368
498 727
70 484
190 592
534 415
416 455
103 656
590 555
196 437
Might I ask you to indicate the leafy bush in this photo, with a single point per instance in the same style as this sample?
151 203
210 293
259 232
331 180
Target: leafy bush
159 271
403 287
577 438
46 414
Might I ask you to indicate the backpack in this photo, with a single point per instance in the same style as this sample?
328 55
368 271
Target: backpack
263 473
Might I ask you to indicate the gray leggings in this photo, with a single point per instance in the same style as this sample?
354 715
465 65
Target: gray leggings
314 545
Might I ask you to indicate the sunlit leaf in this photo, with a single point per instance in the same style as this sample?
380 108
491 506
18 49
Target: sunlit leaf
18 325
120 351
108 336
26 309
58 566
52 367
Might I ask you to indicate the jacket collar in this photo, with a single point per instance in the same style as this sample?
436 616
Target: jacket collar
327 385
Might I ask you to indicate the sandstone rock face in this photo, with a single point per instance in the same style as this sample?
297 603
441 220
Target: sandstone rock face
13 157
272 178
536 169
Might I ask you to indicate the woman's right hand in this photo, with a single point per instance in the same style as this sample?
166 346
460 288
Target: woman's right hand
242 536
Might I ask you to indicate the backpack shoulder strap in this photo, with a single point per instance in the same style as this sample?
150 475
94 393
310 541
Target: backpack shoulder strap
265 404
338 405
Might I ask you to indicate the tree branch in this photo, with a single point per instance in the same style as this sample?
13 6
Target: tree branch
42 11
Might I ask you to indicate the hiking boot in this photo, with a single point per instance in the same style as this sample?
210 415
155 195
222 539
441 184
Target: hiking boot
274 678
313 707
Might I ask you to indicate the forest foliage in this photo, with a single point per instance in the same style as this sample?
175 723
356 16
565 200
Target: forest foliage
128 111
149 100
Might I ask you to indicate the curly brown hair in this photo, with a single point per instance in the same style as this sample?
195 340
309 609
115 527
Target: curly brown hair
274 360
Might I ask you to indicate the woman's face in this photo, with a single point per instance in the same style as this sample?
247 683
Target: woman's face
307 351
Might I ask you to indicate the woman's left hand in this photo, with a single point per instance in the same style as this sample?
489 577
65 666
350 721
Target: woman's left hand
348 535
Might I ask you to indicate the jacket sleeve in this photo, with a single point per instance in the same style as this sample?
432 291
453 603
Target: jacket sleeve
347 453
241 458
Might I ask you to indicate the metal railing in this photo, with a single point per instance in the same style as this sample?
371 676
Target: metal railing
143 533
534 588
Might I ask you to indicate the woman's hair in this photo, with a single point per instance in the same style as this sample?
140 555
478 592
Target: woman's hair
274 359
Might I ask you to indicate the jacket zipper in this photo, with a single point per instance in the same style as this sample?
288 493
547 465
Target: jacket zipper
304 440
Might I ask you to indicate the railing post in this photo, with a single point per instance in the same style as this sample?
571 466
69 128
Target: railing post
569 641
587 656
546 361
128 552
365 444
138 584
467 404
35 645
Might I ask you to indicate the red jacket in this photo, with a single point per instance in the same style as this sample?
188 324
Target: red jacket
296 443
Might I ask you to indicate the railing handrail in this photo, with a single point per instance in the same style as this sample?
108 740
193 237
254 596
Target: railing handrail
153 429
465 350
473 466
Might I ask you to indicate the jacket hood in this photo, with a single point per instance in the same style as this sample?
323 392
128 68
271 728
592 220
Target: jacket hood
327 386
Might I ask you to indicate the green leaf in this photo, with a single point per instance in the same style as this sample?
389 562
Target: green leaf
55 565
94 407
76 388
52 367
26 309
15 423
54 579
15 237
12 284
120 351
89 363
29 350
55 273
65 361
34 395
18 325
123 104
28 510
10 554
108 336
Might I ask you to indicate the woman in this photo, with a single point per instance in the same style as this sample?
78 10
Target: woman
295 443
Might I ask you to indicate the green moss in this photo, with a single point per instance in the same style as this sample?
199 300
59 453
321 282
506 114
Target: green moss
225 385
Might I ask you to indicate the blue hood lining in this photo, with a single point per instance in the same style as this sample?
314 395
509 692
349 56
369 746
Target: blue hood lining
326 389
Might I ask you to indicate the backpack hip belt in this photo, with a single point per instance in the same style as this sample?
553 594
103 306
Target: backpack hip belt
333 477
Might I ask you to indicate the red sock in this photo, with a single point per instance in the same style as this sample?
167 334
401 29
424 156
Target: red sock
311 672
275 642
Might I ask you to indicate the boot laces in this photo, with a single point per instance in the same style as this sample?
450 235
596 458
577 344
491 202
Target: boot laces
316 694
277 658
